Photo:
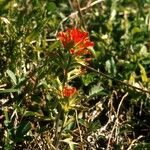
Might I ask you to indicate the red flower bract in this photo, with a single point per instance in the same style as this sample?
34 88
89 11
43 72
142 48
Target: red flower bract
76 41
69 91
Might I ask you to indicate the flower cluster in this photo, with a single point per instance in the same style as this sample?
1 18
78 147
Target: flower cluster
69 91
76 41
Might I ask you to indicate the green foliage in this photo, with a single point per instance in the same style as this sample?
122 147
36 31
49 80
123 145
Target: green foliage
33 114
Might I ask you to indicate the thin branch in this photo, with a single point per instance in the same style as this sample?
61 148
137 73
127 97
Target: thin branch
117 115
80 132
115 79
134 141
80 13
70 3
57 133
116 121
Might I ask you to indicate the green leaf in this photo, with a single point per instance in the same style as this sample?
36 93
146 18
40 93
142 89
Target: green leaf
96 90
9 90
132 78
32 36
53 46
70 143
26 128
143 51
83 122
51 6
30 113
88 78
35 113
94 125
135 30
22 130
143 73
111 67
92 51
12 76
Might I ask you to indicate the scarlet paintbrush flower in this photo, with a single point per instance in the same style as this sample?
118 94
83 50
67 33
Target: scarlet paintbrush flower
76 41
69 91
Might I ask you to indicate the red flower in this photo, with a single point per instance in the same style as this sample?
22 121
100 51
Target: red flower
69 91
76 41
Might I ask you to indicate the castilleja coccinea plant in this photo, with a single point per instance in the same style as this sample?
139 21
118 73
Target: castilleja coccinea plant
75 52
77 43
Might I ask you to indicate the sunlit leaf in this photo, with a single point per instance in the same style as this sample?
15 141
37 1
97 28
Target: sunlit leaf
70 143
132 78
143 73
9 90
12 76
96 90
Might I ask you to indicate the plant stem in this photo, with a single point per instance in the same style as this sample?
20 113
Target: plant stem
56 139
58 133
80 132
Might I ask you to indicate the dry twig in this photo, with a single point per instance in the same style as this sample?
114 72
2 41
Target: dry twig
116 121
76 12
80 132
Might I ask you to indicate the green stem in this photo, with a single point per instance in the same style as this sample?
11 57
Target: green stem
66 70
56 139
58 133
60 110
